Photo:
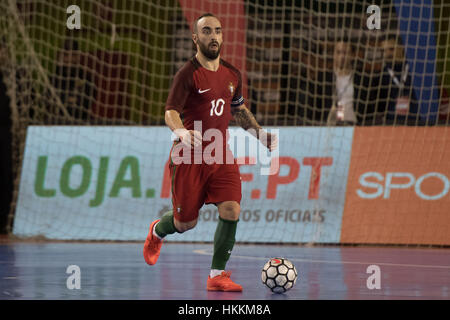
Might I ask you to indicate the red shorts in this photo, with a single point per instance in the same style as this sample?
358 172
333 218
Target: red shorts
194 185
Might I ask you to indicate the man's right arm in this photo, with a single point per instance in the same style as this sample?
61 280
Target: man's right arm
188 137
173 120
178 94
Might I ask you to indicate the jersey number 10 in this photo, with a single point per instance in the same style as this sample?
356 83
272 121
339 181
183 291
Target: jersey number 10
217 107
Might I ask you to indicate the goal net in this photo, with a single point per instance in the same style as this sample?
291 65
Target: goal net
355 89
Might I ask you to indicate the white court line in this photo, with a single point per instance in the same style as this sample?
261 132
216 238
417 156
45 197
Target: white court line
205 252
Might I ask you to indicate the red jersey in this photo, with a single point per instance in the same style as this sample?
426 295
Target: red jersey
199 94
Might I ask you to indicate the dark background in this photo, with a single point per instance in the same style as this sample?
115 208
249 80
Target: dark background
6 179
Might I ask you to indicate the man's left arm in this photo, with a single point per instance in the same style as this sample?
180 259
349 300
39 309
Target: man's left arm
245 119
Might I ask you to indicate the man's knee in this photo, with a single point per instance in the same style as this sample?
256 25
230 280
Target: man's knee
184 226
229 210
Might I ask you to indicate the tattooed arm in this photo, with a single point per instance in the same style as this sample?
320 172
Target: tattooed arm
245 119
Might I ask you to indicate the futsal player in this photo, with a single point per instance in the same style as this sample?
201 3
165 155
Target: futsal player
206 90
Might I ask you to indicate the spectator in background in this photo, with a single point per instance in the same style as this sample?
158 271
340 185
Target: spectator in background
353 90
74 82
397 96
310 92
342 109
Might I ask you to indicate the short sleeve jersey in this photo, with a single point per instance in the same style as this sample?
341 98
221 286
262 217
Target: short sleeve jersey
199 94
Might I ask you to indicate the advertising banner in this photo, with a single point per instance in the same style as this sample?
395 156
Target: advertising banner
110 183
398 186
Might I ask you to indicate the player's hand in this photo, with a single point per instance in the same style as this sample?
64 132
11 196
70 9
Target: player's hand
269 140
190 138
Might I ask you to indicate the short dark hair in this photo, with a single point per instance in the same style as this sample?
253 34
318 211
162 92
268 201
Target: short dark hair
208 14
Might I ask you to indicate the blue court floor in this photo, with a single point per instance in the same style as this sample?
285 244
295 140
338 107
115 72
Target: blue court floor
118 271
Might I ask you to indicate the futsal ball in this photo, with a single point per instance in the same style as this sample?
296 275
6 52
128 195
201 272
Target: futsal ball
279 275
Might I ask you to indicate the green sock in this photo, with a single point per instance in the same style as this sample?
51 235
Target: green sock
224 239
165 225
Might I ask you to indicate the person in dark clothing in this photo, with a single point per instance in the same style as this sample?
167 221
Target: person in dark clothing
74 82
314 94
397 96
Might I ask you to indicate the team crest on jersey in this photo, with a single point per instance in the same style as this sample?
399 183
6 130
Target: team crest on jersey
231 87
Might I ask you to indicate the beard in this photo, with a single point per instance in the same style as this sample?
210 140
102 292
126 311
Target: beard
210 54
